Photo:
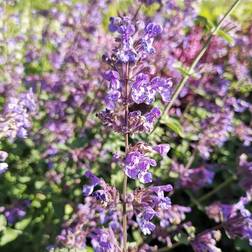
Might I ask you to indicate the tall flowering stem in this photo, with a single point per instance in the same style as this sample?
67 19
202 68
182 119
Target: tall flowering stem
194 63
130 86
126 150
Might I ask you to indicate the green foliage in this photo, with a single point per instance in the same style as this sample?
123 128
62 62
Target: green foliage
173 124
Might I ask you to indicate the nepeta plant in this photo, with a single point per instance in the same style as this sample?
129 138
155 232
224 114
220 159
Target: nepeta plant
167 103
132 88
130 82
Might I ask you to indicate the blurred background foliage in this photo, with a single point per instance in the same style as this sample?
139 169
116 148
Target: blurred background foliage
51 203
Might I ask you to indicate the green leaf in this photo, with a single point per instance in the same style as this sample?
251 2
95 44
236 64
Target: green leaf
3 222
225 36
21 225
68 209
174 125
182 238
151 10
184 70
9 235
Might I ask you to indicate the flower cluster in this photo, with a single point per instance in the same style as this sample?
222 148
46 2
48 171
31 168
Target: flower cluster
137 163
236 219
144 89
207 241
193 178
83 226
216 131
106 196
16 118
147 203
150 68
16 211
134 45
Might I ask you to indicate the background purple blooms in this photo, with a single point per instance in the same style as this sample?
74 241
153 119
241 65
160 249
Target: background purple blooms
65 111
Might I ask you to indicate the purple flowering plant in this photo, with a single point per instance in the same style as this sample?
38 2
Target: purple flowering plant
125 126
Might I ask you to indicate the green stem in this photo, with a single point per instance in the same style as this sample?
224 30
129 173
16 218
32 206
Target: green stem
191 159
126 150
165 249
195 62
217 188
170 248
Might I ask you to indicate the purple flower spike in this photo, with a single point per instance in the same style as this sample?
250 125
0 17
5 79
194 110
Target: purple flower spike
104 240
194 178
240 226
151 30
17 115
173 215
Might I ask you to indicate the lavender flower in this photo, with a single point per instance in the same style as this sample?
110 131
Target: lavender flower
162 149
93 181
151 31
237 220
193 178
145 90
17 115
173 215
207 242
83 226
137 166
106 196
244 133
216 132
104 240
126 52
16 211
137 163
239 226
150 119
147 203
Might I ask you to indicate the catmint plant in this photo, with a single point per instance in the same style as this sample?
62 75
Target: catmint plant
140 102
129 83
